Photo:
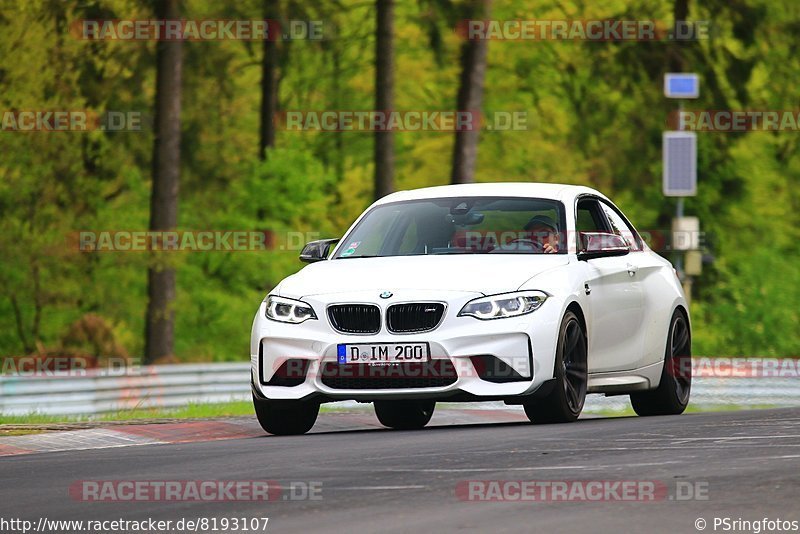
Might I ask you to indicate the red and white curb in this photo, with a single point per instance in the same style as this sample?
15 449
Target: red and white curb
123 436
213 430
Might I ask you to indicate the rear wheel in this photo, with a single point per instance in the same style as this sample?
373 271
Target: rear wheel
404 414
672 394
285 418
565 402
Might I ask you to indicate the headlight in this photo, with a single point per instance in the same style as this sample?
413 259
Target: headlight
288 310
506 305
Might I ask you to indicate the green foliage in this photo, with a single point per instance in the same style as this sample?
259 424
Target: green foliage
595 117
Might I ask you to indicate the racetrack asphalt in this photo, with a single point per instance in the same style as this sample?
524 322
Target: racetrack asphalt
744 465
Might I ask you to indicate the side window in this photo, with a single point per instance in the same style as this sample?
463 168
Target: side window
622 228
589 218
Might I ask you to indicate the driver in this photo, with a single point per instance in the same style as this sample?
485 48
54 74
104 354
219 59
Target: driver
542 231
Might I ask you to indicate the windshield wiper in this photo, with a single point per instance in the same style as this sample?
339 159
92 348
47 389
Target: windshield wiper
437 252
432 253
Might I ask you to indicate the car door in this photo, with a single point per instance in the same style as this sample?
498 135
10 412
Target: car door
647 268
615 298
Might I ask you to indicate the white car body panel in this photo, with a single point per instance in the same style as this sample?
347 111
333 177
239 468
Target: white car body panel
494 274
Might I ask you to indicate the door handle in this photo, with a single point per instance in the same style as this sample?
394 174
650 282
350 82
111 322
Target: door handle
632 269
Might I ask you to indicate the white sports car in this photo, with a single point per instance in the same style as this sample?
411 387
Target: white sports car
533 294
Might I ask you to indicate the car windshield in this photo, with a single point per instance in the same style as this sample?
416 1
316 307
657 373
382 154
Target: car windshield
468 225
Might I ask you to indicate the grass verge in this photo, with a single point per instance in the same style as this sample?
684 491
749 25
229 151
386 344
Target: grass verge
34 423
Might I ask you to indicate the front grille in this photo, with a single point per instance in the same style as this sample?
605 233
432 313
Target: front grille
432 374
355 318
414 317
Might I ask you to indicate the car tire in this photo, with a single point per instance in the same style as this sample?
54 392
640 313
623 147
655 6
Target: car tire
285 418
672 394
404 414
564 403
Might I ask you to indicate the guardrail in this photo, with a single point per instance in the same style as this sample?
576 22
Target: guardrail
100 391
169 386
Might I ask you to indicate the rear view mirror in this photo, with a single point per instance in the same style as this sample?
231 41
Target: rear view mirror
317 250
602 245
467 219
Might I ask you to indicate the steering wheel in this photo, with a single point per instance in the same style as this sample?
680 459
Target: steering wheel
536 245
521 244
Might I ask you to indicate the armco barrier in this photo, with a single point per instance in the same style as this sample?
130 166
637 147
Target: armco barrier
98 391
167 386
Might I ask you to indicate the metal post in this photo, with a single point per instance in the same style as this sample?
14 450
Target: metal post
678 254
680 86
686 281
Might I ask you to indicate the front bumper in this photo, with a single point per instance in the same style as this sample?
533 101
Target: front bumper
525 344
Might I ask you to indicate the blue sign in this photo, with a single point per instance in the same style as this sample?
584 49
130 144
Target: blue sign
681 85
340 352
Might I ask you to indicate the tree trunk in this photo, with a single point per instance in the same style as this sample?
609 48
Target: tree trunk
159 328
336 61
470 98
269 81
680 12
27 346
384 96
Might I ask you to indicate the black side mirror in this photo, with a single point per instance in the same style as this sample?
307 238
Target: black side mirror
317 250
602 245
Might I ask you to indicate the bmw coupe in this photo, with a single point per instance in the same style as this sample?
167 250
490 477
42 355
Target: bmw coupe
530 294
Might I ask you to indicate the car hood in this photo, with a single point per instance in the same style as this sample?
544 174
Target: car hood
485 273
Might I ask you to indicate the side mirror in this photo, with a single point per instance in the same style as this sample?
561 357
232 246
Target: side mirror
317 250
602 245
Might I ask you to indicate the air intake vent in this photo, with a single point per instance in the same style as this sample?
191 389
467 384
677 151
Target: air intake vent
493 369
433 374
291 373
355 318
414 317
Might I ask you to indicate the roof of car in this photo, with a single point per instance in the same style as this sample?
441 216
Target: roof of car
511 189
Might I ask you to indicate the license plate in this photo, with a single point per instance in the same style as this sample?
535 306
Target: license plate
382 353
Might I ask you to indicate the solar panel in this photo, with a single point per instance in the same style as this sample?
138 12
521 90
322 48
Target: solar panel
680 164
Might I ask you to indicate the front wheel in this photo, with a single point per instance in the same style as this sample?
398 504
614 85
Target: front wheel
672 394
404 414
565 402
285 418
